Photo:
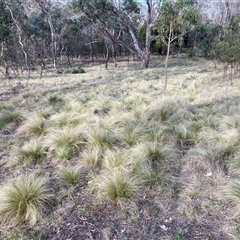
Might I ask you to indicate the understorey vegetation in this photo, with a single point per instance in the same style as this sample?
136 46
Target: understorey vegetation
116 158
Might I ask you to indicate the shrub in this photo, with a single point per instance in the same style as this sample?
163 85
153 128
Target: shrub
190 53
78 70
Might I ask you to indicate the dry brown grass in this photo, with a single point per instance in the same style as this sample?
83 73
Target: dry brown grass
166 155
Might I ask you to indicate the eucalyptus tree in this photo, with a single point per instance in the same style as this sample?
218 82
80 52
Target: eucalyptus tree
227 48
14 42
46 7
176 19
6 38
124 17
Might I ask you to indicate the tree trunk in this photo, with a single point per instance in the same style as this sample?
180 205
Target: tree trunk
167 58
106 55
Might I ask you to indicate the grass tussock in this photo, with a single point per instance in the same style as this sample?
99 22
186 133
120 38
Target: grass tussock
23 200
35 125
65 139
10 117
71 176
116 186
101 138
92 157
31 152
148 175
113 160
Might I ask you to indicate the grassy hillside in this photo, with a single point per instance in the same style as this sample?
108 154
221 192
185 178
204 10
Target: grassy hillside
106 155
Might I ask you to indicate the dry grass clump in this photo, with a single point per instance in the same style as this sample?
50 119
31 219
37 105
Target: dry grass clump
132 133
114 159
23 200
92 157
10 117
64 141
35 125
156 151
72 176
116 186
148 174
162 109
31 152
101 138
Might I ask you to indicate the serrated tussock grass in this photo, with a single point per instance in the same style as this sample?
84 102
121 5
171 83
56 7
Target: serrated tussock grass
162 109
113 160
101 138
217 156
92 157
10 116
23 200
71 137
101 105
64 152
116 186
69 118
35 125
132 133
72 175
31 152
148 174
156 151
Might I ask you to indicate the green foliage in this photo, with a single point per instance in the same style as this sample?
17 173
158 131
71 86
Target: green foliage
181 15
78 70
227 49
191 53
23 200
131 6
206 35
